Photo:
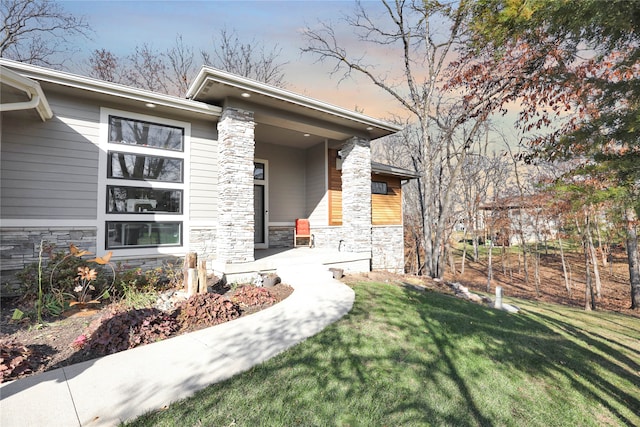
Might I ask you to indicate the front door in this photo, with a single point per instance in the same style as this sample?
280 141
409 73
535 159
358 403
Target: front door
260 204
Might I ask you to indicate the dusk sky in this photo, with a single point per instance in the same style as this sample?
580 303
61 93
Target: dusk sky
121 25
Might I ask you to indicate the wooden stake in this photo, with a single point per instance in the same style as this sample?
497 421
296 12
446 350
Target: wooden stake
202 276
190 261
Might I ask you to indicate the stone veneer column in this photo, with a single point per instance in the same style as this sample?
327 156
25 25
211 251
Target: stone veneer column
236 148
356 195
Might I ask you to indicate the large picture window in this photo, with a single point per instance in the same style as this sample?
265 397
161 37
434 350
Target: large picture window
144 182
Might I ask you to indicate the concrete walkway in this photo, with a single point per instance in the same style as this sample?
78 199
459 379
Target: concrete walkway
122 386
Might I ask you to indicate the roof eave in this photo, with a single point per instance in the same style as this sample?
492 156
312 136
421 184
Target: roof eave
109 88
382 169
254 87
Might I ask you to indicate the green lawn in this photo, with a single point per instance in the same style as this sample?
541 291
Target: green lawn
403 357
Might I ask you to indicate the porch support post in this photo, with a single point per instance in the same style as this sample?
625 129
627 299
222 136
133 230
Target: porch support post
236 148
356 195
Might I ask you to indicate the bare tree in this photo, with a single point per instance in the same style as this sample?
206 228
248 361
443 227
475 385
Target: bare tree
146 69
104 65
181 66
423 35
252 59
39 32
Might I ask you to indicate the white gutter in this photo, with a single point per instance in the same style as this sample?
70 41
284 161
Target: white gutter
246 84
31 88
109 88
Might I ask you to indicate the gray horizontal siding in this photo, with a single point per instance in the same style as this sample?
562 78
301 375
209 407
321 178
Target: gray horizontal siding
317 208
286 176
49 170
203 203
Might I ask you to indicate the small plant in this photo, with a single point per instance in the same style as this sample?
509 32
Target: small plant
70 276
133 298
204 310
85 280
250 296
157 279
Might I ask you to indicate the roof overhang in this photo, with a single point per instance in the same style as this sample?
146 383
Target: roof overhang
382 169
222 88
145 97
25 94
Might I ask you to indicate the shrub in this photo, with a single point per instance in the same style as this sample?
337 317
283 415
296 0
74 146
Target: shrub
250 296
59 274
157 279
120 331
204 310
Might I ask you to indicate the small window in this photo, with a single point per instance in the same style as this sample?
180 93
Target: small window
134 234
378 187
258 171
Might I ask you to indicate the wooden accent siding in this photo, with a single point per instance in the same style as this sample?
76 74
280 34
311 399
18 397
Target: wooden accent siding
386 209
335 190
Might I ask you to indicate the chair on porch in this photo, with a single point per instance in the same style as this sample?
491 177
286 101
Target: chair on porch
302 231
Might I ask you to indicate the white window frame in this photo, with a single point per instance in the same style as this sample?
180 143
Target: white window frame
103 182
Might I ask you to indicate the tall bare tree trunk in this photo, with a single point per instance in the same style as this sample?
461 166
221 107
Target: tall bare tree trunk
536 272
601 247
589 297
633 256
490 266
596 271
464 250
567 285
452 261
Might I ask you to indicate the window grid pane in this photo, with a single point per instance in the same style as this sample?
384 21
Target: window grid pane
145 134
137 234
141 200
142 167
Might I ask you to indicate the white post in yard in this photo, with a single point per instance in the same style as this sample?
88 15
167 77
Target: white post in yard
498 303
192 281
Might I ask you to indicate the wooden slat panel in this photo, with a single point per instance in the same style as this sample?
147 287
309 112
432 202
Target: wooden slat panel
387 209
335 190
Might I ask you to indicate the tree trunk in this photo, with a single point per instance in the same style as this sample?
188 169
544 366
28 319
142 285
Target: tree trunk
490 266
589 298
601 247
564 267
596 271
452 261
592 251
536 272
464 251
633 257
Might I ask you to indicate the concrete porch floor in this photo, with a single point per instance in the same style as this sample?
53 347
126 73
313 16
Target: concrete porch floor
272 259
